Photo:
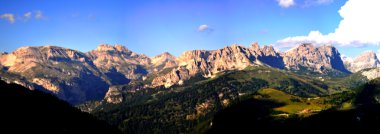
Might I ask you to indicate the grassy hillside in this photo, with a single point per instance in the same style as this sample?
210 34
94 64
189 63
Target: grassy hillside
293 104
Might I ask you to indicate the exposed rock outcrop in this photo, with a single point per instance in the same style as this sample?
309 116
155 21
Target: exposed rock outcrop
118 63
371 73
319 59
163 61
209 63
66 72
114 95
365 60
77 77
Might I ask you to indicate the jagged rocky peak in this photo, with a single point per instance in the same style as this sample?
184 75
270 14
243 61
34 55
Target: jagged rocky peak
163 61
164 57
25 58
118 63
109 53
58 70
266 50
365 60
209 63
269 50
107 47
319 59
369 56
255 46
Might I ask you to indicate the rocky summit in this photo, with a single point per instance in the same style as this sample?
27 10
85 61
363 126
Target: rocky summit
75 76
365 60
65 72
236 57
319 59
78 77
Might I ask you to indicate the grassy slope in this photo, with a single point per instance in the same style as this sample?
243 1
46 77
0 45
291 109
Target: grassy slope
293 104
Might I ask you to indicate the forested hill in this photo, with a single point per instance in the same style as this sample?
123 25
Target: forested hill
23 110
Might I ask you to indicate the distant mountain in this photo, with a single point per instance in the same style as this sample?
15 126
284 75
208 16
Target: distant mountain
306 58
65 72
317 59
371 74
75 76
365 60
163 61
27 111
119 64
78 77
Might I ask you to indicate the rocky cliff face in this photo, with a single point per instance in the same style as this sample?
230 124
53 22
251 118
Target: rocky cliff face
67 73
114 95
371 73
236 57
209 63
77 77
163 61
176 76
319 59
118 63
363 61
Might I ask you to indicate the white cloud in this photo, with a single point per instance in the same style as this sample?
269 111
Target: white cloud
39 15
27 15
378 54
11 18
360 26
8 17
286 3
203 28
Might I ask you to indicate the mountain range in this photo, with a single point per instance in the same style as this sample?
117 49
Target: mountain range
201 91
70 74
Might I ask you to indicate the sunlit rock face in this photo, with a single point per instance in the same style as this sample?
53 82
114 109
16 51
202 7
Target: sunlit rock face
365 60
68 73
318 59
209 63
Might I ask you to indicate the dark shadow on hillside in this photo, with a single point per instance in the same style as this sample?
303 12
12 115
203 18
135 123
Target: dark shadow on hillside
247 116
23 110
117 78
273 61
252 116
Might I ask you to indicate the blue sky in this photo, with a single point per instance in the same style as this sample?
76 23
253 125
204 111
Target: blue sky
155 26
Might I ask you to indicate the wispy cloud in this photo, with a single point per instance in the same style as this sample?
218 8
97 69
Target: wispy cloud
8 17
12 18
39 15
27 15
286 3
205 28
360 26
